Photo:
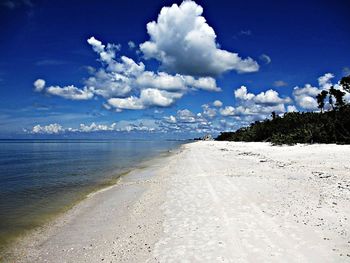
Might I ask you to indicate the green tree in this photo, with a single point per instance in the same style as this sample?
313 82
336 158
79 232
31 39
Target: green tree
345 83
331 97
320 99
339 98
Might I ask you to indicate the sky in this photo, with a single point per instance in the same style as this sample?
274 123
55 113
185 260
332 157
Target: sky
163 69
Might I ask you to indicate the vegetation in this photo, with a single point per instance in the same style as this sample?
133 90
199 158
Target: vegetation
332 126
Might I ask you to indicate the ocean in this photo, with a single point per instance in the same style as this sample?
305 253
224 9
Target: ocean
41 178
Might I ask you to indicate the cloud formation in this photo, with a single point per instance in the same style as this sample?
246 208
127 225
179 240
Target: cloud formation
127 85
70 92
305 97
144 125
269 97
184 43
39 85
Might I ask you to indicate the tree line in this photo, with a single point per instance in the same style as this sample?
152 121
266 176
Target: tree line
327 126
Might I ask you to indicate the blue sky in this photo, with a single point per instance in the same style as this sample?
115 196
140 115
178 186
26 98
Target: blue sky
104 69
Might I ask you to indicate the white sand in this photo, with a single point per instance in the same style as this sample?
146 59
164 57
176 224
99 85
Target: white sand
212 202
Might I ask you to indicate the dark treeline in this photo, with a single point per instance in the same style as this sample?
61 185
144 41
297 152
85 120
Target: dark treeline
331 126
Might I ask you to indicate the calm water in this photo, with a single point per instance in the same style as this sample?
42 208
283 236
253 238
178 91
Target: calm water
40 178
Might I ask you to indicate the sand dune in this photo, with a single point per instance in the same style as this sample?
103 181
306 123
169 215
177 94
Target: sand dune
212 202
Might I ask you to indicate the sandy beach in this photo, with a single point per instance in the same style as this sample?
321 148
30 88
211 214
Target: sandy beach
211 202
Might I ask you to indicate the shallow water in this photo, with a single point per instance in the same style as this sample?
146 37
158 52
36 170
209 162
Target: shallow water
40 178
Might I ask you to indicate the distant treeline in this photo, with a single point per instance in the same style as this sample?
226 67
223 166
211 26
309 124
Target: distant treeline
331 126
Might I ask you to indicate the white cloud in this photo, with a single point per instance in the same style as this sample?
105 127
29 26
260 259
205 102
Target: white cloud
325 81
161 80
145 125
217 103
269 97
242 94
208 112
107 53
48 129
228 111
109 84
305 97
130 103
265 58
307 102
148 98
184 43
291 108
186 116
39 85
251 107
97 45
204 83
160 98
70 92
125 84
170 119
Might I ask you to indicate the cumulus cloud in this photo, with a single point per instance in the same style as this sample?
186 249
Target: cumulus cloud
183 42
39 85
47 129
144 125
70 92
269 97
208 111
243 94
251 107
186 116
305 97
204 83
148 98
217 103
161 80
107 53
186 121
126 84
291 108
325 81
109 84
227 111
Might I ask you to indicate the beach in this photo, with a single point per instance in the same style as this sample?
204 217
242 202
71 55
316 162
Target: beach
210 202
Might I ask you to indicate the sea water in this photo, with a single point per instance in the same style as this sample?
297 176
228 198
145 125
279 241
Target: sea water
40 178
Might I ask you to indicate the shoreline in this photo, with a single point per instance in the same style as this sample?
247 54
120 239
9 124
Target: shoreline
21 241
212 201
